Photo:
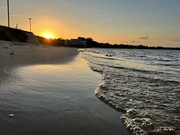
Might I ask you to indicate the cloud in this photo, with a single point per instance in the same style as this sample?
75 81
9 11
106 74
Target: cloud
134 42
176 40
144 38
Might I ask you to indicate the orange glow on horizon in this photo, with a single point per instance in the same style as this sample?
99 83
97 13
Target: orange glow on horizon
48 35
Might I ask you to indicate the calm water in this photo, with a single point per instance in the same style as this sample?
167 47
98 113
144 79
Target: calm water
145 84
55 100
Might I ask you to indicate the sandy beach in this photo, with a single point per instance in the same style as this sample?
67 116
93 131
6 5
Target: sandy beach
47 90
24 54
18 54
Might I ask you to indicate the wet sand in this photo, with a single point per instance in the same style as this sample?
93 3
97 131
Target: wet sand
51 91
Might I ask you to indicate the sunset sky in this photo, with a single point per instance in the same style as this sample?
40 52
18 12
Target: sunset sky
148 22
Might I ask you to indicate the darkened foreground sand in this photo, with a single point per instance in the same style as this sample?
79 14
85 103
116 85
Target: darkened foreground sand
19 54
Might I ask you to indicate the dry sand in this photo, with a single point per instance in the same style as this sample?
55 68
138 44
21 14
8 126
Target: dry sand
18 54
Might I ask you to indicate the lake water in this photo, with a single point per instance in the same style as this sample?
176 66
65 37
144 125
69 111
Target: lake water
55 100
145 84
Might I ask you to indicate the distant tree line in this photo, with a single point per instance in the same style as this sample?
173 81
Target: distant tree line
94 44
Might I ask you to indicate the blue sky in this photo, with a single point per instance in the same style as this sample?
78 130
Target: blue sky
148 22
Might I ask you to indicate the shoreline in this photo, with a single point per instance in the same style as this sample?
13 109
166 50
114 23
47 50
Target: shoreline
68 101
117 90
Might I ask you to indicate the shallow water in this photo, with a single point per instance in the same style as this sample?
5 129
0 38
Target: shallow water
145 84
55 99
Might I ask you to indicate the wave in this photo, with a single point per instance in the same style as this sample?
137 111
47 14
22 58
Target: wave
146 95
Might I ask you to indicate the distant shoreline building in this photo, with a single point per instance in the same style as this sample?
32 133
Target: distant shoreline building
80 42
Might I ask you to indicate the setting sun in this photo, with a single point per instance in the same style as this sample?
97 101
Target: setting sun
48 36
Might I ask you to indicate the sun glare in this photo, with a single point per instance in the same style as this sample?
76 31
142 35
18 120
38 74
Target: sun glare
48 36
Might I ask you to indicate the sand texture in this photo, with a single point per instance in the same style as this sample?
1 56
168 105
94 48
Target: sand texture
20 54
